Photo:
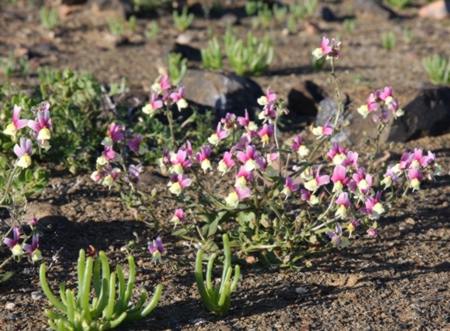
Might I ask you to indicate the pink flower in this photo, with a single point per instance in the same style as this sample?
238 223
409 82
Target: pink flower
115 132
23 152
385 93
243 177
339 178
226 163
337 154
351 159
178 183
373 206
265 133
16 123
164 83
154 104
329 49
177 97
239 194
289 186
203 157
109 154
43 124
323 131
178 216
318 181
298 146
247 157
343 203
414 176
372 232
244 121
268 101
180 161
218 136
362 181
229 121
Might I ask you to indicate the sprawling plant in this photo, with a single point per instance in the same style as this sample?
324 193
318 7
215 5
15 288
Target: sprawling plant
217 297
19 178
287 200
111 304
182 20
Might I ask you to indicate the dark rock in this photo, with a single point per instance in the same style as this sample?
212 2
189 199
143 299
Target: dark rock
188 52
73 2
222 92
42 49
374 8
427 114
328 15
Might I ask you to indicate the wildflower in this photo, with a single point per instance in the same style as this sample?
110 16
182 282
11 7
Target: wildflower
248 158
373 206
323 131
391 176
218 136
162 84
13 243
134 171
268 101
265 133
272 157
414 176
177 97
33 248
226 163
243 177
362 181
298 147
111 177
16 123
372 232
134 144
343 203
289 187
307 196
178 216
156 248
337 154
351 159
335 236
178 183
153 105
370 106
329 49
23 152
316 182
43 124
33 222
352 226
246 123
179 161
237 195
229 121
109 154
115 132
203 157
339 178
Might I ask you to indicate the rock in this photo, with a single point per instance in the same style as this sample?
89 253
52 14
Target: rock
301 290
36 295
427 114
188 52
10 306
374 8
437 10
327 14
40 210
222 92
311 28
73 2
228 20
185 38
103 10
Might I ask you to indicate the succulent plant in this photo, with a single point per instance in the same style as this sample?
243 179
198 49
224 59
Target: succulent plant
111 304
217 298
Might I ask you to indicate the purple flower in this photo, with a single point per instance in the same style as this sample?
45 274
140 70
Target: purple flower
154 104
23 152
339 178
290 186
226 163
134 171
115 132
11 242
265 133
203 157
218 136
373 206
178 216
134 143
337 154
109 153
372 232
335 236
31 248
178 183
180 161
156 248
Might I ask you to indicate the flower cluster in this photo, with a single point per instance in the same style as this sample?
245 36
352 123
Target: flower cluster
40 128
19 243
164 95
118 144
411 170
381 104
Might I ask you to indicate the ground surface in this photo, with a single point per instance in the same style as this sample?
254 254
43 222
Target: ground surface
400 281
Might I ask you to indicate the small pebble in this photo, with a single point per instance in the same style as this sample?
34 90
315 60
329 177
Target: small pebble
36 295
301 290
10 306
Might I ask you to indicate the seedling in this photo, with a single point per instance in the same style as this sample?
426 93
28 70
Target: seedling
182 20
438 69
399 4
177 66
49 18
111 304
388 40
212 55
217 298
